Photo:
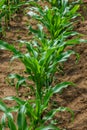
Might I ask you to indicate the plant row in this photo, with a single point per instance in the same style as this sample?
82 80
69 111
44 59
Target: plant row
44 56
7 9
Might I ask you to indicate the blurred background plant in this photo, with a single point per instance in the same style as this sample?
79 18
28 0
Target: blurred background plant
7 9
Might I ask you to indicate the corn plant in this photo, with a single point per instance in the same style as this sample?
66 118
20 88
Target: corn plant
59 3
7 9
57 21
32 114
41 62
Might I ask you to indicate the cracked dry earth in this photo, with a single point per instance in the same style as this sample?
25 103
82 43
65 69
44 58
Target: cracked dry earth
72 97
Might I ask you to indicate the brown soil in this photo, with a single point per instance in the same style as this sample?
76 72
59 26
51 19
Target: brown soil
72 97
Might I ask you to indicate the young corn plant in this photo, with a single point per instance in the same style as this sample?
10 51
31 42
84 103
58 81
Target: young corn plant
7 9
57 21
40 61
31 114
59 3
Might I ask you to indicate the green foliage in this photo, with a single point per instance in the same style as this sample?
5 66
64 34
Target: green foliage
63 3
7 9
42 58
56 20
33 110
41 61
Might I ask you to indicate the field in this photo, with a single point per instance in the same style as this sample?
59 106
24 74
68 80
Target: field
74 98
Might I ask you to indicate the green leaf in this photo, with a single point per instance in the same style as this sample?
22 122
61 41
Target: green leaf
31 111
3 107
11 124
76 41
49 127
21 120
7 115
21 80
52 113
3 121
12 98
46 99
9 47
61 86
65 55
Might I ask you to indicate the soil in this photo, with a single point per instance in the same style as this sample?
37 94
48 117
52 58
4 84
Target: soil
72 97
